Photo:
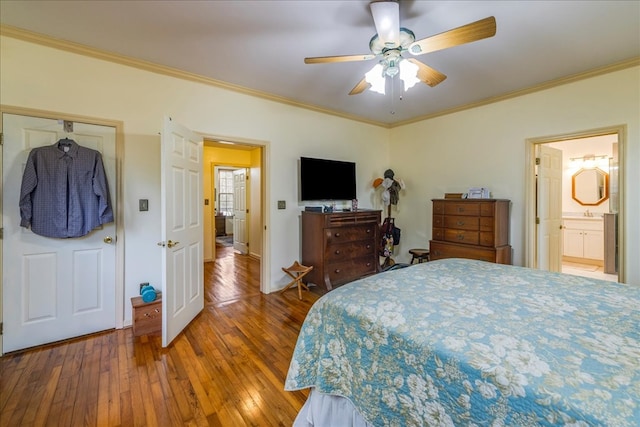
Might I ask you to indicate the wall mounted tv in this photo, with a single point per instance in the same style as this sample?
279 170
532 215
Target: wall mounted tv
322 179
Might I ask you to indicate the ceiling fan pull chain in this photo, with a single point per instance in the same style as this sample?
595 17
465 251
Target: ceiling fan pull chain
393 96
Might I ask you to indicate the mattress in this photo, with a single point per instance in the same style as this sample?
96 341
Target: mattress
464 342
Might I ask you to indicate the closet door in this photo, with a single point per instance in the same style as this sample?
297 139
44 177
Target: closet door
54 289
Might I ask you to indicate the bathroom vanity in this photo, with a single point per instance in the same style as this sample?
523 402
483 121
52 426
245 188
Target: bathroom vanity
583 240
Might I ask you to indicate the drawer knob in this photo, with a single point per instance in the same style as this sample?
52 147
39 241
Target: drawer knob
460 236
337 234
460 223
337 270
368 246
338 252
368 231
460 209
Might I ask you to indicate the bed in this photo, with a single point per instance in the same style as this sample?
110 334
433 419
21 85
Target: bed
459 342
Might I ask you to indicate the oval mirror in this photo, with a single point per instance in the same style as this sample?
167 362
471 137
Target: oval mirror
590 187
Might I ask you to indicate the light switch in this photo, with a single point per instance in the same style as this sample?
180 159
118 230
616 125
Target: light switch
282 204
143 204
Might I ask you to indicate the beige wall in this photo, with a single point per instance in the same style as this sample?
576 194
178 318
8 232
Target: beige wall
38 77
484 146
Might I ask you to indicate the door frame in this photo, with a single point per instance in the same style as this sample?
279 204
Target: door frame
233 143
119 214
530 189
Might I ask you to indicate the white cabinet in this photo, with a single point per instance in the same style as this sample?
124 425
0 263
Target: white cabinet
584 238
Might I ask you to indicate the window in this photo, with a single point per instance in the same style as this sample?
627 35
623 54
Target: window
225 191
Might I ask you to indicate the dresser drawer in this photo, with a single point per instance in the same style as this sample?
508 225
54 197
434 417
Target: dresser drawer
486 223
462 208
461 236
355 249
346 234
441 250
349 270
437 234
487 239
462 222
147 317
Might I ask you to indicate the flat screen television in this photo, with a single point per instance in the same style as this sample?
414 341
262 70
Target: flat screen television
322 179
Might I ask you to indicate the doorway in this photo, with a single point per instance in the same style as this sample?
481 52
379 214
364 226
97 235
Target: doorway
590 240
250 158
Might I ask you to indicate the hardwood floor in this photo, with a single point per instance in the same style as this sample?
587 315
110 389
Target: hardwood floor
226 369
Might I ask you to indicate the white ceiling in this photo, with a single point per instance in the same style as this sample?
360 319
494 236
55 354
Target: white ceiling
260 45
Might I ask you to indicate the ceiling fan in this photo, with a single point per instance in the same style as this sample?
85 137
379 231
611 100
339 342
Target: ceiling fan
391 43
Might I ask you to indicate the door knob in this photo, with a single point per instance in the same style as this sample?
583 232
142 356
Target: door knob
108 239
172 243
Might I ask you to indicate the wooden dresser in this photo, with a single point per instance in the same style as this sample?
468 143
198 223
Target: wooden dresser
341 246
471 228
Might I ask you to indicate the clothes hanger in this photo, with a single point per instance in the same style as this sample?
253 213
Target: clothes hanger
68 129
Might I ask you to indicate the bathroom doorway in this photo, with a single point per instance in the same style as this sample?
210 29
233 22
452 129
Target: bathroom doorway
590 220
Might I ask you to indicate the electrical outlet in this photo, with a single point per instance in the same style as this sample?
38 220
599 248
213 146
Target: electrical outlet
282 204
143 205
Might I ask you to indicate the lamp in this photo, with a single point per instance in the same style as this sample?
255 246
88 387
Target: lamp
392 62
589 161
376 77
386 17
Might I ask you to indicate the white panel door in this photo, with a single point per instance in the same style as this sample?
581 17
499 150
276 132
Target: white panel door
550 209
53 289
182 229
240 211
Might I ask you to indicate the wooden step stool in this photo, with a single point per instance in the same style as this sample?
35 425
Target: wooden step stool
419 255
297 271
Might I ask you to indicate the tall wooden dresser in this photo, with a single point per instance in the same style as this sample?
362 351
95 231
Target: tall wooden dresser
341 246
471 228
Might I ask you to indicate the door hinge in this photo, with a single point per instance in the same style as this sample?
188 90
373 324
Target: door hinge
1 233
537 220
1 138
537 160
1 328
247 210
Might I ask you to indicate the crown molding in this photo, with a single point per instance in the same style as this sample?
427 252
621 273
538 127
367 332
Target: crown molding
633 62
81 49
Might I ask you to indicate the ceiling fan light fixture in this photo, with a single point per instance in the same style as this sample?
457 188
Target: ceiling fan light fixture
386 17
375 77
408 74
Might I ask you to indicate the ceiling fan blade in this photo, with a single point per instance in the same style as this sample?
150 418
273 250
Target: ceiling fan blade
427 74
360 87
342 58
466 34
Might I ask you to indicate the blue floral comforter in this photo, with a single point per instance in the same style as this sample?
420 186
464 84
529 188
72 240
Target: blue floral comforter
469 343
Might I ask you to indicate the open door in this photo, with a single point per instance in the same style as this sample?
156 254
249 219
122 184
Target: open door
240 211
549 209
182 229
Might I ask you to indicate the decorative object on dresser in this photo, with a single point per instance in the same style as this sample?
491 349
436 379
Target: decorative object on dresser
341 246
147 317
471 228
